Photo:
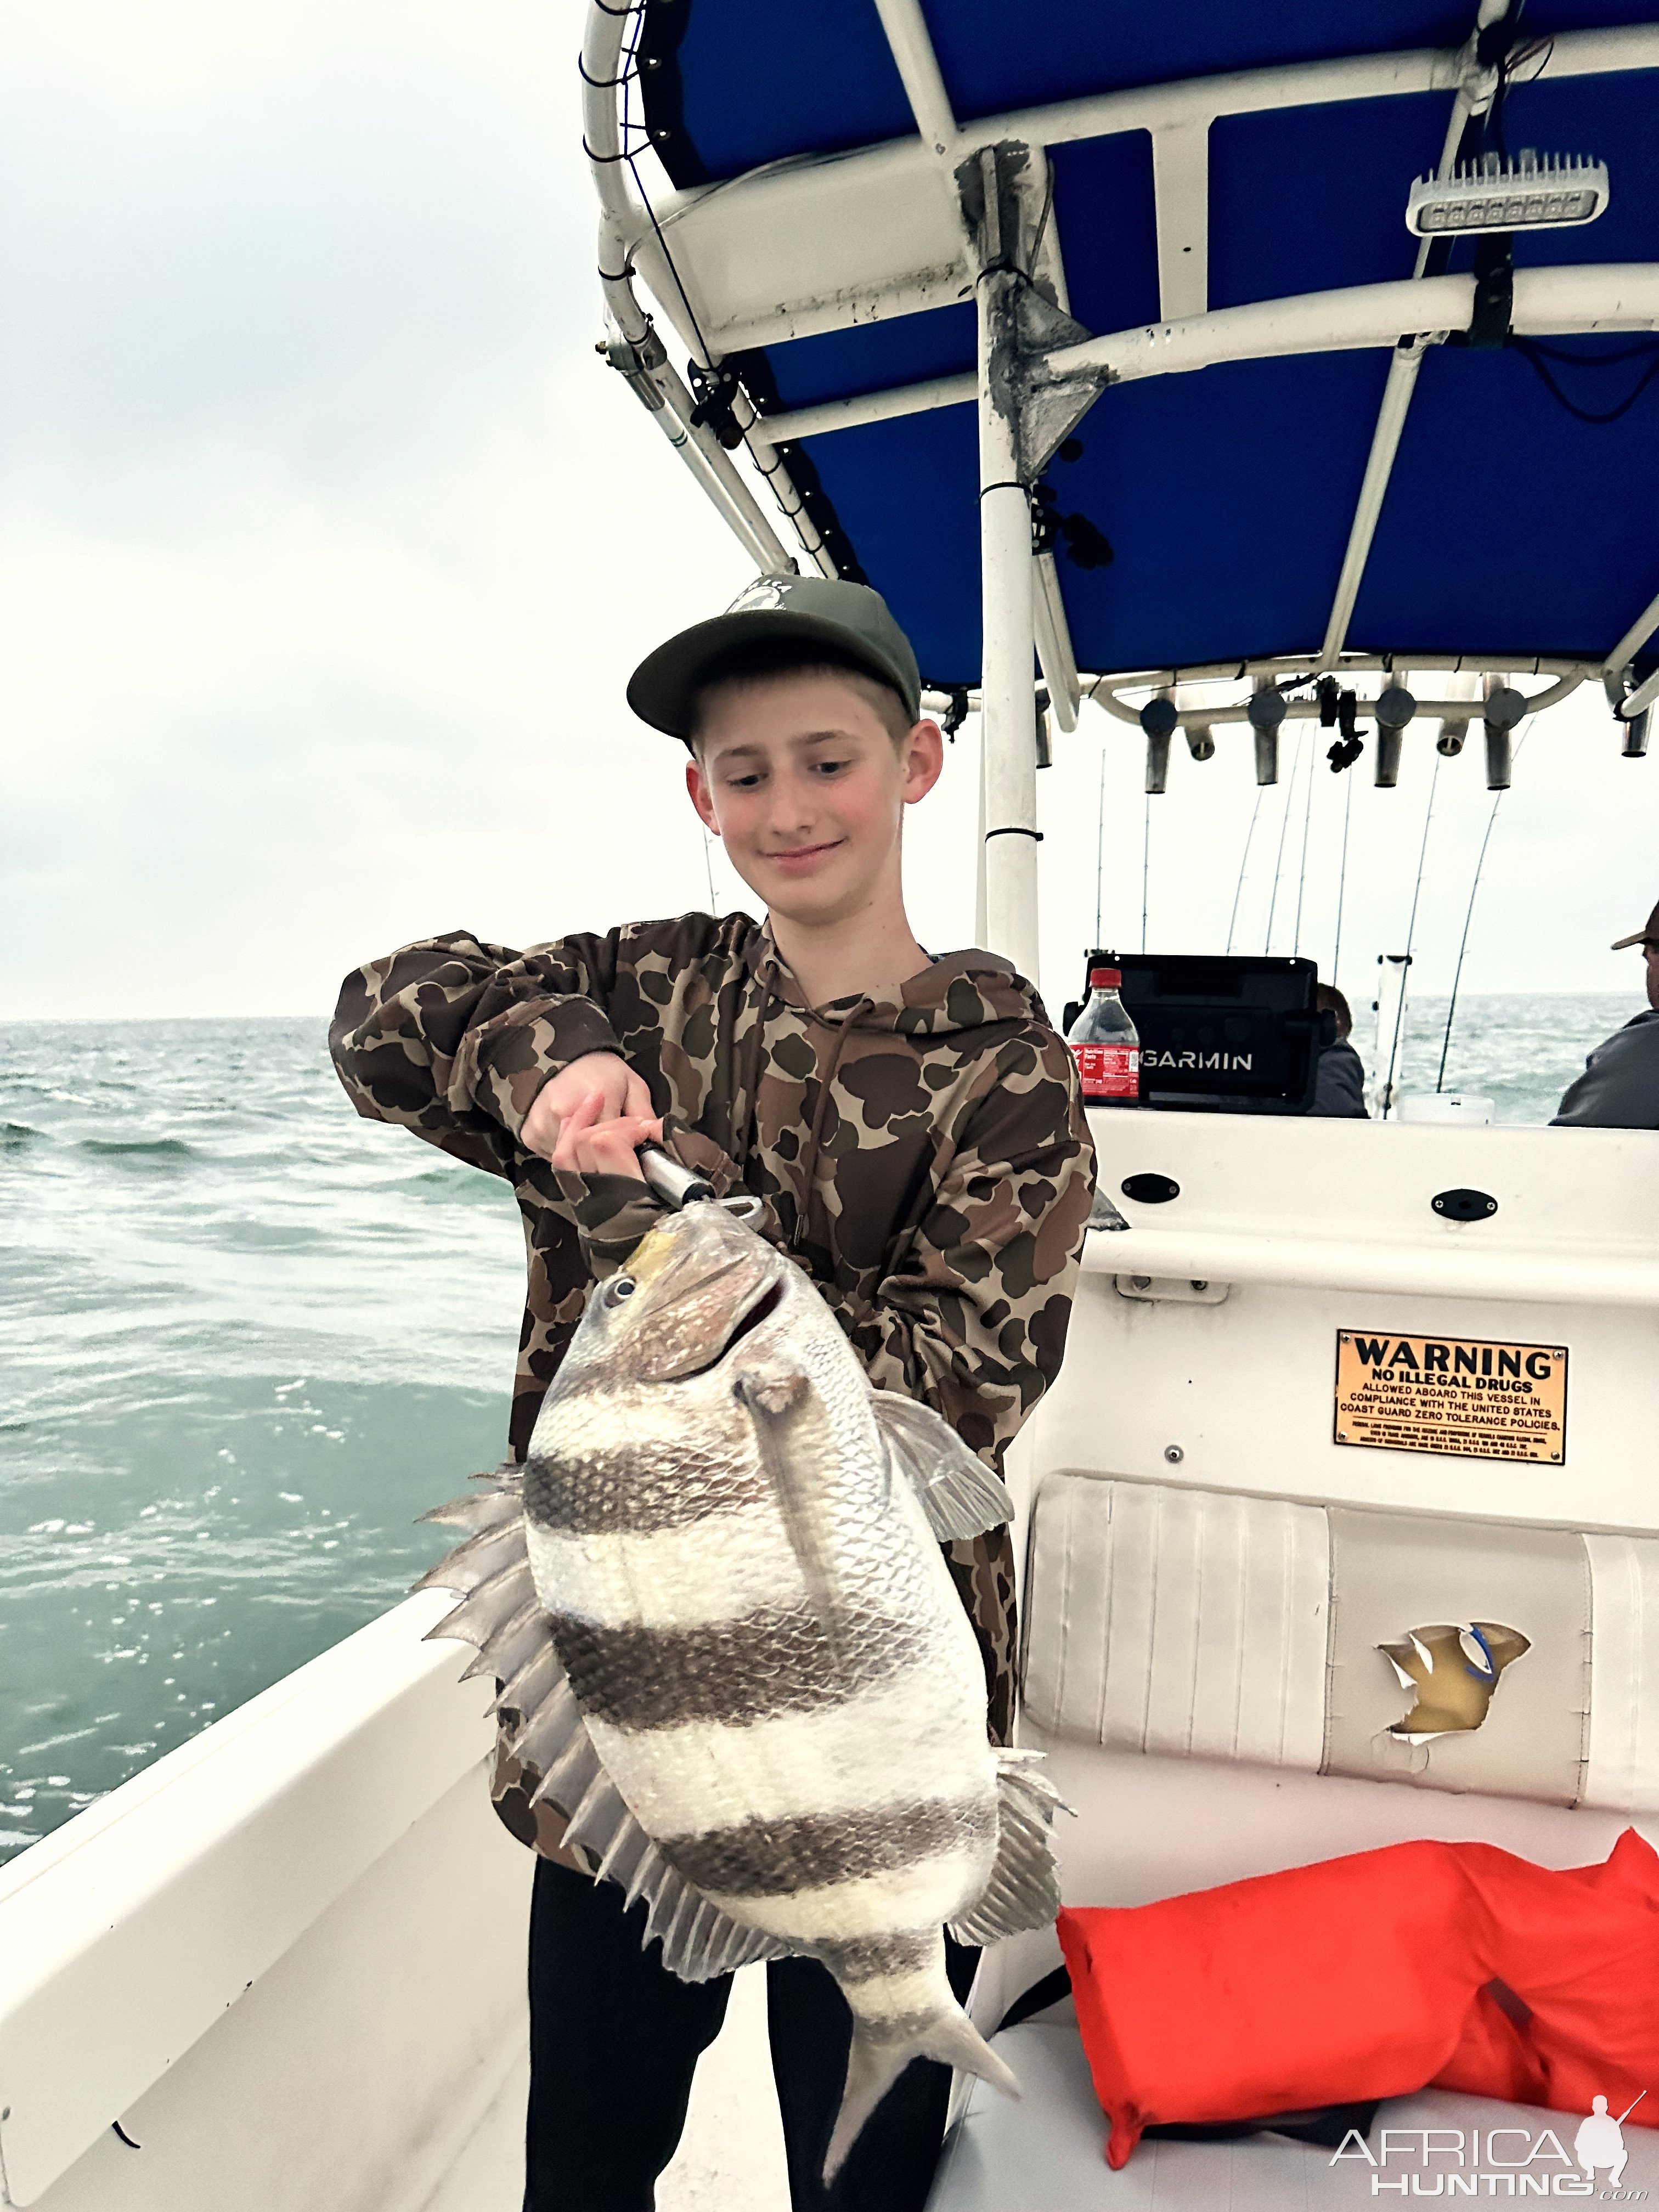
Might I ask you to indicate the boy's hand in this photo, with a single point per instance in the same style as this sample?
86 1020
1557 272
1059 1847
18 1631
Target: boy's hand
591 1118
603 1075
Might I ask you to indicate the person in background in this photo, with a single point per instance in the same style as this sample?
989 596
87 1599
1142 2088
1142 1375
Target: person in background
1340 1078
1619 1086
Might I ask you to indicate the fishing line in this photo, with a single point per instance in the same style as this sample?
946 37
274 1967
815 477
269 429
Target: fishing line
1302 873
1410 937
1341 883
1284 824
1100 845
1245 863
1457 976
1145 867
708 870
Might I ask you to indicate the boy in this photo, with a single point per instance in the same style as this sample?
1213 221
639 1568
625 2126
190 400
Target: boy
914 1128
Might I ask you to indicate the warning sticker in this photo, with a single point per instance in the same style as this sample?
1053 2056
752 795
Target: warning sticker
1452 1395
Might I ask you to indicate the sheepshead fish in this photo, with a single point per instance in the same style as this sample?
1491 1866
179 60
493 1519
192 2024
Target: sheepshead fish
715 1596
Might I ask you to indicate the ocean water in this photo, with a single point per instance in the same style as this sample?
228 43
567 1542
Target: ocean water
245 1338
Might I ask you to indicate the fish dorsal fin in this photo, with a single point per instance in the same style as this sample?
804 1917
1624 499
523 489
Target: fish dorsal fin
1023 1891
551 1741
959 1494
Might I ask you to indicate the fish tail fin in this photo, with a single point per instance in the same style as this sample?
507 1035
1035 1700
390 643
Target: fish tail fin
881 2050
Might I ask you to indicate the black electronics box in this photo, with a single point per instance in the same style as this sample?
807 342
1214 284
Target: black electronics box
1235 1034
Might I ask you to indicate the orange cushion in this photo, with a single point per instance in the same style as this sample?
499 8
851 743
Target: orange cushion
1361 1978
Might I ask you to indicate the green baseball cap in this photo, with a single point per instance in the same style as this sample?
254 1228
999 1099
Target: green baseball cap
850 621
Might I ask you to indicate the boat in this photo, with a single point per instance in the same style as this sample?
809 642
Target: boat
1226 349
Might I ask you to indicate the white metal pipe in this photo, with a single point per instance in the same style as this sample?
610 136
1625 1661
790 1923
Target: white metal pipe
1301 84
919 71
1617 295
1351 663
1385 444
620 222
1641 699
1311 322
1634 639
1008 712
714 469
872 407
1297 710
772 467
1053 642
1181 187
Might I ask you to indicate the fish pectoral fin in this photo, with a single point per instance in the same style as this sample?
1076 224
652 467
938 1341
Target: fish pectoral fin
777 1391
779 1397
959 1494
1023 1891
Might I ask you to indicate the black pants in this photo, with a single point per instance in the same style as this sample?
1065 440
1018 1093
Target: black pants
615 2038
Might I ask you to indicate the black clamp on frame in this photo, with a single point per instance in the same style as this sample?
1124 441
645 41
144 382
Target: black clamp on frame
1494 295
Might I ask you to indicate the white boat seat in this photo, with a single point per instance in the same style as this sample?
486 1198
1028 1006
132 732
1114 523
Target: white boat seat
1215 1626
1045 2153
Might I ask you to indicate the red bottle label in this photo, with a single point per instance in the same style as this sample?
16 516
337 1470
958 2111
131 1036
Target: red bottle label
1108 1071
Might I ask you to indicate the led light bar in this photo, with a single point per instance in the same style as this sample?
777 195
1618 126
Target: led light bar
1528 193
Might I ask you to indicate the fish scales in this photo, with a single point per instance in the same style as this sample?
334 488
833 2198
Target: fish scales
735 1543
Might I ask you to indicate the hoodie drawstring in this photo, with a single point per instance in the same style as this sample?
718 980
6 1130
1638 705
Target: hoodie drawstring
814 1133
750 1082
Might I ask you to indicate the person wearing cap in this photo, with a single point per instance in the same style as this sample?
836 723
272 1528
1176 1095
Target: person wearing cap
914 1129
1339 1073
1619 1086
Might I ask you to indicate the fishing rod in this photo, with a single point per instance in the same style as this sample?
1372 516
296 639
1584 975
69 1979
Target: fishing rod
1301 873
1245 863
1411 935
1100 845
1474 887
1341 884
1285 823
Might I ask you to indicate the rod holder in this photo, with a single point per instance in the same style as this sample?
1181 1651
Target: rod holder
1157 761
1390 738
1449 743
1636 735
1266 755
1500 755
1201 741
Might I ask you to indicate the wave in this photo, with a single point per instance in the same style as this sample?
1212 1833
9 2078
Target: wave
154 1148
13 1136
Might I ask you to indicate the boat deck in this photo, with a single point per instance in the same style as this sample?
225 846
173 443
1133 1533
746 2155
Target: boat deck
729 2159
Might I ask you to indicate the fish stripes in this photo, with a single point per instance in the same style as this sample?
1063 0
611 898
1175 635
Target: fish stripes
642 1677
777 1858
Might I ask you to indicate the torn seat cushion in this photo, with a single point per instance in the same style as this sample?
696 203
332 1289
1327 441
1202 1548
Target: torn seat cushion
1371 1976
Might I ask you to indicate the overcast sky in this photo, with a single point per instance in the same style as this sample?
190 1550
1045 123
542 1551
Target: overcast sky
328 545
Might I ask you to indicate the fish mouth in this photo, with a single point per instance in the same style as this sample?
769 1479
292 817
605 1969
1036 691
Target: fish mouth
763 1310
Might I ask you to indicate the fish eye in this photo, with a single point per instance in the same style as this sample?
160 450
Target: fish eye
618 1288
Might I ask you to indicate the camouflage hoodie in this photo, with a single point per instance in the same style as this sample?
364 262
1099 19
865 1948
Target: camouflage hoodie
922 1151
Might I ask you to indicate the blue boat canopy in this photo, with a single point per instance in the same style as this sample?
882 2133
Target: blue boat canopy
1308 439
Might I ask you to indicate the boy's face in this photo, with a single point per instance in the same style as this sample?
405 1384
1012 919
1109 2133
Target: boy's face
801 778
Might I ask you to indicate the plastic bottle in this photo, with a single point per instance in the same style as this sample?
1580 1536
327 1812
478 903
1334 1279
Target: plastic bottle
1106 1044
